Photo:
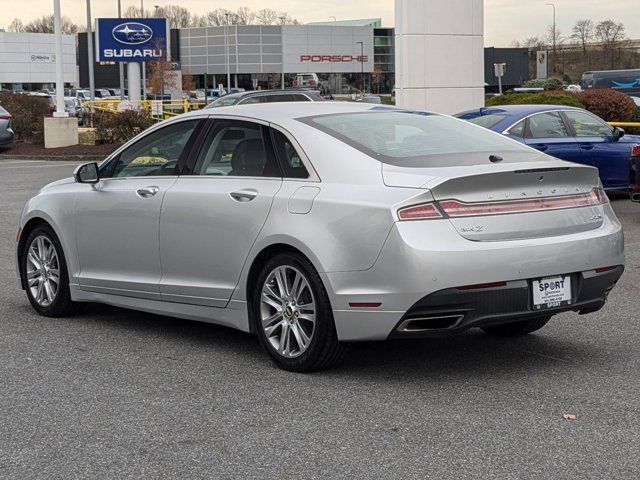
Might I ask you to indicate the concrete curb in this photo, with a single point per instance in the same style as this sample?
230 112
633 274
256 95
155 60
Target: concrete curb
56 158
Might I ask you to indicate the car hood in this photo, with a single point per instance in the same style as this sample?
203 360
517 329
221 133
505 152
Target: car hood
64 181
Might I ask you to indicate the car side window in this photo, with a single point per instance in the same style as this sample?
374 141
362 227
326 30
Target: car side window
586 125
290 159
517 130
156 154
237 149
298 97
547 125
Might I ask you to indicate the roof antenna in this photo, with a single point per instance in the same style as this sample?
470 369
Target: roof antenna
495 158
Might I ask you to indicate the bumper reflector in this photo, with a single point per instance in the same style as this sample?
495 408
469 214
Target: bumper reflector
365 304
481 286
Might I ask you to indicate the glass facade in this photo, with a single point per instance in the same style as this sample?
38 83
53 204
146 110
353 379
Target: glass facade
383 77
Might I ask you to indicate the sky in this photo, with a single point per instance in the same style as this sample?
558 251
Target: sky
505 20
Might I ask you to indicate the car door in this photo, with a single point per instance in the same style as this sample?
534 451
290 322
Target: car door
598 148
548 132
212 216
117 220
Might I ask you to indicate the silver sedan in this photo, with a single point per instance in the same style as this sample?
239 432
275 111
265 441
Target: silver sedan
317 224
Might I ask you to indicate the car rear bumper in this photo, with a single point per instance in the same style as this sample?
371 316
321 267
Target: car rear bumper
419 267
452 310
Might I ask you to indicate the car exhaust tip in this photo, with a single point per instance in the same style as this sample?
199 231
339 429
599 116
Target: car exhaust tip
635 197
436 322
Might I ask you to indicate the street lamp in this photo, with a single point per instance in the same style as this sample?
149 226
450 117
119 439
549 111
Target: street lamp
282 20
156 7
226 50
361 65
553 5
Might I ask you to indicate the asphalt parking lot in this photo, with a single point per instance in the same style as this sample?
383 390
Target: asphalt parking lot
119 394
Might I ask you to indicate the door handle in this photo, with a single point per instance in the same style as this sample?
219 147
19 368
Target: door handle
245 195
147 192
586 147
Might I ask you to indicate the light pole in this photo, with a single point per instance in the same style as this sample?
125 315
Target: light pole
92 83
57 23
144 64
226 50
282 20
156 9
120 64
553 34
361 65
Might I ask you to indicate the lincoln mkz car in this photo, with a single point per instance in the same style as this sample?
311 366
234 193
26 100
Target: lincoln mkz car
317 224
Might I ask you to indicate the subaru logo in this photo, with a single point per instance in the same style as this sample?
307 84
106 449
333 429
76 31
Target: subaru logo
132 33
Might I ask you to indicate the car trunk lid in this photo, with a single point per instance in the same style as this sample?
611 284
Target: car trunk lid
491 202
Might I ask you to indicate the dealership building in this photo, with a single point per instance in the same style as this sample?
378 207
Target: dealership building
27 60
346 55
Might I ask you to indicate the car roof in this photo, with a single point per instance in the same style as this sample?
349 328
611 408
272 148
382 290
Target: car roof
286 112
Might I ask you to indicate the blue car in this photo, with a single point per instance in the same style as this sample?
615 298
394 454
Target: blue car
567 133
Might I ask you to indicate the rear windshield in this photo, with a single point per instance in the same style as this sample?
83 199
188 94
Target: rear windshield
486 121
416 139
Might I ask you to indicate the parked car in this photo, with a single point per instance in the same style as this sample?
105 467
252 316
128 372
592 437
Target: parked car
313 224
211 94
267 96
567 133
625 81
306 80
74 107
6 133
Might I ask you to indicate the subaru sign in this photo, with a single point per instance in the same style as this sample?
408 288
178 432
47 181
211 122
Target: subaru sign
132 39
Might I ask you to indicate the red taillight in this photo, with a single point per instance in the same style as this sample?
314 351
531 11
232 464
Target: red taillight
455 208
635 151
5 116
423 211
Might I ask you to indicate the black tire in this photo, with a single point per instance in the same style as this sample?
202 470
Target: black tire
62 305
324 349
518 328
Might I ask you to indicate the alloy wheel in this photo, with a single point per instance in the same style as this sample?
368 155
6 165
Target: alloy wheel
288 311
43 271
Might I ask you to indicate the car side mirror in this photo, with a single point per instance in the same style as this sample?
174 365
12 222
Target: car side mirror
618 133
87 173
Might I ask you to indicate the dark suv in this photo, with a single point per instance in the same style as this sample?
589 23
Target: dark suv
268 96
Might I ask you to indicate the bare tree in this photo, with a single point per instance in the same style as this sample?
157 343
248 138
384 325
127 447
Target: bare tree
554 36
134 12
610 33
45 24
535 43
244 16
177 16
16 26
582 32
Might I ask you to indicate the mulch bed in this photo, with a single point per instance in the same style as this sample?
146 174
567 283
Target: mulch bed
30 151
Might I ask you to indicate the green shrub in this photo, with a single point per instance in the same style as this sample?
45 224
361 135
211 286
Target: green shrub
27 114
542 98
120 127
608 104
552 83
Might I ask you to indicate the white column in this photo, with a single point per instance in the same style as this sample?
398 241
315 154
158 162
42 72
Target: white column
440 54
133 81
57 23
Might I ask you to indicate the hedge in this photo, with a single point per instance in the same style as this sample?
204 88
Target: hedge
120 127
608 104
543 98
27 116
